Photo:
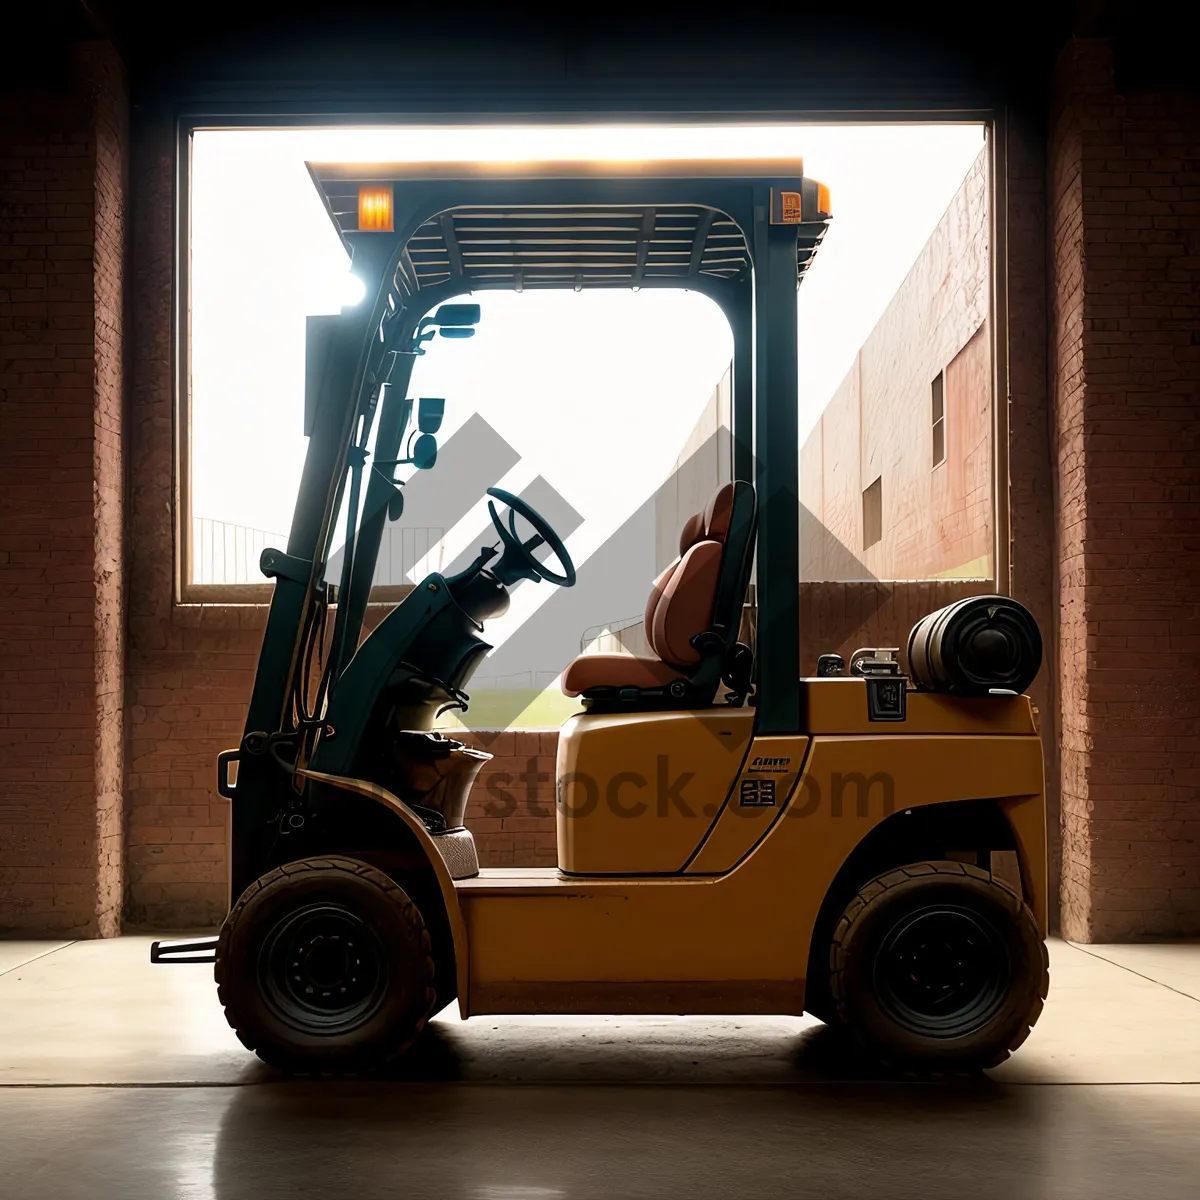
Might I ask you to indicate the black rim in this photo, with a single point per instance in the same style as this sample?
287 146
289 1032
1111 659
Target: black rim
322 970
942 971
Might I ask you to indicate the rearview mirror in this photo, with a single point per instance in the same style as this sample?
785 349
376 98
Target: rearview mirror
456 331
430 411
425 452
457 315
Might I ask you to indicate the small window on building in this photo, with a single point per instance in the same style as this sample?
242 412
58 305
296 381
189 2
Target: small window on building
873 514
939 419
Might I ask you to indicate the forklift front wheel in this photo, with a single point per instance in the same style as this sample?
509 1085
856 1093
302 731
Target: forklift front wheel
938 967
324 967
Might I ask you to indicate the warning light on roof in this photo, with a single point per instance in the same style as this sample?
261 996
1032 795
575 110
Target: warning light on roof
375 210
824 206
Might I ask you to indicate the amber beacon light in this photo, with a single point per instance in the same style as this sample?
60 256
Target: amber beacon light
375 209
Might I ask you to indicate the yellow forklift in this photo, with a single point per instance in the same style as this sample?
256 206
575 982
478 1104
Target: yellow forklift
733 836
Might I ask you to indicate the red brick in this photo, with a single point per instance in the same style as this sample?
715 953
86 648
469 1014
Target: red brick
1129 494
61 460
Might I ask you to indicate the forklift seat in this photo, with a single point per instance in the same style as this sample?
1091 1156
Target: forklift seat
700 593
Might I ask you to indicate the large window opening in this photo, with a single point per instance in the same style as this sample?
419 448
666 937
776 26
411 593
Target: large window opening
613 407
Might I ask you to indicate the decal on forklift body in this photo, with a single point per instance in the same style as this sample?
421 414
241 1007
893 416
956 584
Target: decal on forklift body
778 766
757 793
786 208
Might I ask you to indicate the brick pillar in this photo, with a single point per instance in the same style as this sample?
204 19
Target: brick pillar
1124 208
1030 478
62 242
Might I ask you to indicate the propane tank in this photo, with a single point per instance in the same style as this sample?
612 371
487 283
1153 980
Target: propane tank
983 645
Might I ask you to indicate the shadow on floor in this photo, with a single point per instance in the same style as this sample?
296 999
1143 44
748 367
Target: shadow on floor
541 1052
857 1139
612 1126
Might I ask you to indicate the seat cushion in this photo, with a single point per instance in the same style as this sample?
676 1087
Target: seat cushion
590 671
686 605
656 594
718 514
693 531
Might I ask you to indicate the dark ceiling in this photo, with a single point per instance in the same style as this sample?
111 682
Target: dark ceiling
633 58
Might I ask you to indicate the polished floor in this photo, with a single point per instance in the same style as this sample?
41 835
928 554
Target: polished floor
119 1079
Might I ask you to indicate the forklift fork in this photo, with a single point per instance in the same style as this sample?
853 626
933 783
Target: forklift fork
195 950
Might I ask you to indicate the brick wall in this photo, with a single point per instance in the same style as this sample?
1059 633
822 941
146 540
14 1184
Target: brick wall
511 812
62 222
1103 382
838 618
1030 480
1125 257
48 721
190 667
111 141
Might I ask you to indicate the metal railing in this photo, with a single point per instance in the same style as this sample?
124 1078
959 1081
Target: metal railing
226 553
527 680
605 639
402 547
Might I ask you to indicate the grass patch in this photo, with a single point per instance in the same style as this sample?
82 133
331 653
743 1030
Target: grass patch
513 708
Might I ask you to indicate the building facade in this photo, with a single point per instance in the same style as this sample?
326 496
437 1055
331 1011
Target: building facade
896 475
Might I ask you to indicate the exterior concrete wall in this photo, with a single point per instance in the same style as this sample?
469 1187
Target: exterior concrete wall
937 520
703 465
62 399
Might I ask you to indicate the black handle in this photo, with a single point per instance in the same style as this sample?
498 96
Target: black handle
224 787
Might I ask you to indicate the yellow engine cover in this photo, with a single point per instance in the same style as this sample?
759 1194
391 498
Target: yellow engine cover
637 792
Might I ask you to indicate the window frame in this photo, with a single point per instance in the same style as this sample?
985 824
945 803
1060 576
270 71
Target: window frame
189 121
872 490
938 402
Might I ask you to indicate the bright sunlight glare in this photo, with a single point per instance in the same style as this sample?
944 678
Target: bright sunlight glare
597 391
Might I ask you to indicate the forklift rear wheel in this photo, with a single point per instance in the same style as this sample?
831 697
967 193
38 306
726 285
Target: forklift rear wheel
324 967
938 967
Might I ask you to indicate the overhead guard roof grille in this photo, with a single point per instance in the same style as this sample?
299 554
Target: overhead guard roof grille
529 246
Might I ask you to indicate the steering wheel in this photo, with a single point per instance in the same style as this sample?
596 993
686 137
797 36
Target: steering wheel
517 561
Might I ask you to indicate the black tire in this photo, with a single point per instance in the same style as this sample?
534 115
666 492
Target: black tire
938 967
324 967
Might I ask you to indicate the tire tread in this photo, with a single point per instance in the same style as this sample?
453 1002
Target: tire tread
351 866
882 884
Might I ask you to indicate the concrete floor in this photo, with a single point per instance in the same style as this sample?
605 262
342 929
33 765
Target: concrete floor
122 1079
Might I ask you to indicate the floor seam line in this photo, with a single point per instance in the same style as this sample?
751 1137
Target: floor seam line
981 1086
1123 967
38 957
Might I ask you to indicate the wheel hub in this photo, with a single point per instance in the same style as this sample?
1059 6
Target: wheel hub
323 970
942 971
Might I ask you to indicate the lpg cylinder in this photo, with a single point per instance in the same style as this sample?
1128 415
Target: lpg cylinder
975 646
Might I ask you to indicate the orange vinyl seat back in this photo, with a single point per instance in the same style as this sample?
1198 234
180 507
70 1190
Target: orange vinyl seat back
702 591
